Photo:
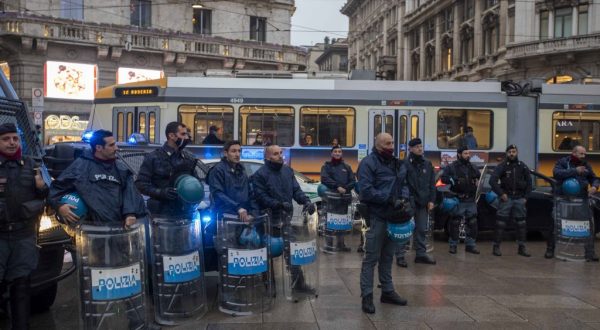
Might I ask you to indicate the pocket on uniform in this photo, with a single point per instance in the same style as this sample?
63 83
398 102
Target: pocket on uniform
32 209
26 180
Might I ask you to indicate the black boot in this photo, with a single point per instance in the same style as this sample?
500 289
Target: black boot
523 251
549 252
498 232
367 304
20 303
392 298
496 250
522 236
452 249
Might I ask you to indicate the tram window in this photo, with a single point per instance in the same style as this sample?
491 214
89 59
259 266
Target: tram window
471 128
275 124
151 127
129 124
576 128
199 119
323 126
402 135
120 126
142 122
414 127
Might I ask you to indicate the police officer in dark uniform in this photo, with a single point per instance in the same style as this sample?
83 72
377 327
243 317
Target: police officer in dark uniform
421 183
229 183
338 177
575 166
106 187
275 186
511 181
22 193
463 176
162 167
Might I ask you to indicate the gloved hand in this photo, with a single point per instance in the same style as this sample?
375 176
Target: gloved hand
168 193
400 204
310 208
288 207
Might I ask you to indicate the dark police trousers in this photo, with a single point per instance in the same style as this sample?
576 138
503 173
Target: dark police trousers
420 236
379 250
468 210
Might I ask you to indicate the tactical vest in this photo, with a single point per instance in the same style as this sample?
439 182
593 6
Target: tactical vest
19 204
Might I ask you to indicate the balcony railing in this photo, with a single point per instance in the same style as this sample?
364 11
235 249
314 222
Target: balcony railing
553 46
53 29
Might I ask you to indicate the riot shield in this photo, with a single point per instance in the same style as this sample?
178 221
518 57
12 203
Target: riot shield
244 272
179 285
301 266
573 227
338 220
429 233
111 276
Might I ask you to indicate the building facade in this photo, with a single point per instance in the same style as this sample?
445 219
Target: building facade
471 40
328 59
66 50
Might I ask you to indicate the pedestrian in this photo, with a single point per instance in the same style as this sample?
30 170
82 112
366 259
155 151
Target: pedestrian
107 188
511 181
229 184
338 177
382 186
576 167
469 139
463 177
22 193
259 140
275 187
212 137
160 170
421 184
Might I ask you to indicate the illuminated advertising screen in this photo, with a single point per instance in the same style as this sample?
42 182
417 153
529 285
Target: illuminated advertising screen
128 75
74 81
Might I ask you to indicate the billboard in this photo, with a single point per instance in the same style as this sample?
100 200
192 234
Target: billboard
128 75
75 81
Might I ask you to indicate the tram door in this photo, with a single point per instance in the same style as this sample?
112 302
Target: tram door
403 125
143 120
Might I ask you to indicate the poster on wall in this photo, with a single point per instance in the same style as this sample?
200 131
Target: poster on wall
73 81
128 75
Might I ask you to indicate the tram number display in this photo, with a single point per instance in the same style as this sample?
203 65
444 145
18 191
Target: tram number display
237 100
136 91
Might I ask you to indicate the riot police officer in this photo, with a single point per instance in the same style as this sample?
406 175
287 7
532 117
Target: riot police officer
229 183
22 193
338 177
162 167
275 186
421 183
106 187
463 176
575 166
511 181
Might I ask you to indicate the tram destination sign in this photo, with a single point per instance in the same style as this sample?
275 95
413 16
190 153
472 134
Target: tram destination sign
136 91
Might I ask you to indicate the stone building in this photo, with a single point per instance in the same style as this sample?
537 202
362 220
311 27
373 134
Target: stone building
472 40
328 59
69 49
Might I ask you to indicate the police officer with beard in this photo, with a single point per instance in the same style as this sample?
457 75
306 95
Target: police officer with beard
463 176
162 167
22 193
575 166
421 183
511 181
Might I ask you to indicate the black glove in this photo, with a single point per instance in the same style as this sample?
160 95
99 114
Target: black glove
400 204
168 194
288 207
310 208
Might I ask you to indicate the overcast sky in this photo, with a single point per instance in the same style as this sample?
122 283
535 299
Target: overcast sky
313 16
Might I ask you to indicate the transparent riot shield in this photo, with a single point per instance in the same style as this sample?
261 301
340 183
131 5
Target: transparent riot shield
338 220
429 233
244 272
179 285
301 266
111 276
573 227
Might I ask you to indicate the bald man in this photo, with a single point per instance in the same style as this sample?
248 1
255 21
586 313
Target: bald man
382 183
576 167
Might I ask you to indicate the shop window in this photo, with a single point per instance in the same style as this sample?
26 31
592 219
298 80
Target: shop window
258 28
199 119
576 128
71 9
454 126
564 79
64 128
5 69
275 124
202 21
324 126
141 13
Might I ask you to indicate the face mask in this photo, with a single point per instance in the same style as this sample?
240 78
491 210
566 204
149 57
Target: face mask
387 153
181 143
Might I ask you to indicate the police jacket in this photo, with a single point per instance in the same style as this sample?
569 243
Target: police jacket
159 170
107 189
337 175
381 182
514 177
212 139
421 180
462 176
229 187
21 203
274 184
565 169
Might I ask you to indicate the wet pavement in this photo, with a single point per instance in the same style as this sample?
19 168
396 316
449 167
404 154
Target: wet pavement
462 291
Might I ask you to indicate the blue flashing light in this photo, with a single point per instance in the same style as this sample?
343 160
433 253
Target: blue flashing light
132 140
86 136
206 218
